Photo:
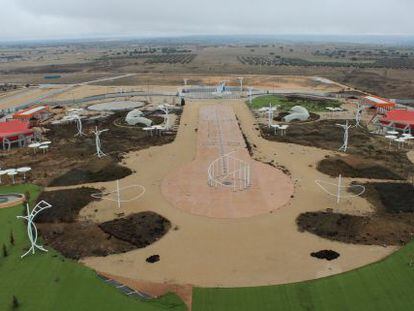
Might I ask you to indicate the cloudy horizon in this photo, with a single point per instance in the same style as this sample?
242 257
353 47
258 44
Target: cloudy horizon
48 19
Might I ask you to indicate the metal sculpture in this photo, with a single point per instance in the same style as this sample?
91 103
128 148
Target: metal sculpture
31 227
340 188
346 128
229 172
115 195
241 83
358 115
98 144
165 108
79 127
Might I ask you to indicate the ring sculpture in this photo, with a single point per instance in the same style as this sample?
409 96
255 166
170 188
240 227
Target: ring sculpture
229 172
31 227
358 190
115 195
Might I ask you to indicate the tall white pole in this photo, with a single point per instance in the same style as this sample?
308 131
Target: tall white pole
118 194
338 195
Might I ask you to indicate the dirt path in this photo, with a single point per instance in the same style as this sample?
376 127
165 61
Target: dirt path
261 250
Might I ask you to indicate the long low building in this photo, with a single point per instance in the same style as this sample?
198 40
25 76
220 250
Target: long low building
381 104
15 132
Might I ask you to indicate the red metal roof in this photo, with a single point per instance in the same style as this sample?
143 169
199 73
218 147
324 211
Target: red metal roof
14 127
400 116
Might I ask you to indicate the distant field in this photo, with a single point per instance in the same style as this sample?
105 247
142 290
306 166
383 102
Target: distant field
47 281
286 103
386 285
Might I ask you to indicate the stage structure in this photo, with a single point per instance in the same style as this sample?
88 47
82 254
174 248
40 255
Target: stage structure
339 190
346 128
222 90
98 144
229 172
118 196
31 227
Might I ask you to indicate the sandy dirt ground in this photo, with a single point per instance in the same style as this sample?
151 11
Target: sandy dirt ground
25 96
261 250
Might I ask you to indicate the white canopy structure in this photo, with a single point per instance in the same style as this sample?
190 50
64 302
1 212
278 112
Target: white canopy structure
297 113
135 117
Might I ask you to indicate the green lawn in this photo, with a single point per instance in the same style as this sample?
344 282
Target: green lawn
386 285
285 104
47 281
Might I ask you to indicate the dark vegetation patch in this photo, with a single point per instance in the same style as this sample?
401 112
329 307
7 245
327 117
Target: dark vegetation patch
66 204
153 259
93 171
82 239
73 157
392 223
326 254
391 197
355 167
60 228
326 134
140 229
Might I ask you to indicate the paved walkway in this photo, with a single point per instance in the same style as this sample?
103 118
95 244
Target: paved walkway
219 134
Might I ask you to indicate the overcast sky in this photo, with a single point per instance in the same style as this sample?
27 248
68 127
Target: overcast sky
42 19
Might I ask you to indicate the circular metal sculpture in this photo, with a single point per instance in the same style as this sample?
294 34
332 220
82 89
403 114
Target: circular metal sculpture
337 189
116 195
229 172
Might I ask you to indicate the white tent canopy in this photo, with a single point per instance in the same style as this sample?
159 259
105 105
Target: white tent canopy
135 117
297 113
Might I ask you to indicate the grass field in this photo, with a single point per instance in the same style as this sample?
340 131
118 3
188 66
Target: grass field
47 281
286 104
386 285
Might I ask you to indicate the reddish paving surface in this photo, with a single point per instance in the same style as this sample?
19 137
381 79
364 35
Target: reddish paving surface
187 188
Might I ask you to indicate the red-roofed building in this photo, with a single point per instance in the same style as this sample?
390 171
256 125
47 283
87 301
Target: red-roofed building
15 131
39 113
382 105
400 119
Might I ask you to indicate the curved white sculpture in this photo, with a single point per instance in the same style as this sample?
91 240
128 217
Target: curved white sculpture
98 144
229 172
135 117
346 128
31 227
79 127
339 188
166 109
358 115
297 113
115 195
